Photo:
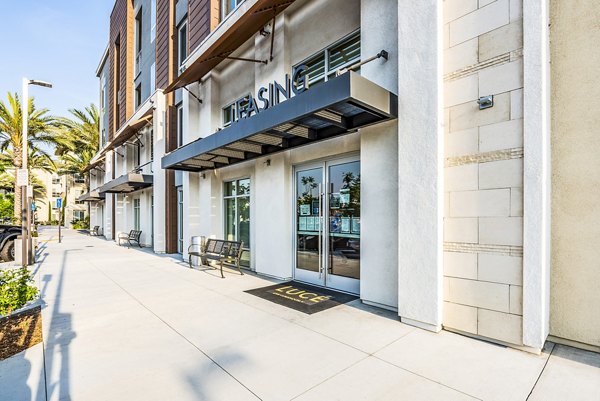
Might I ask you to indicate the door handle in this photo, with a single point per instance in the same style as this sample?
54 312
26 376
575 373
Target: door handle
320 230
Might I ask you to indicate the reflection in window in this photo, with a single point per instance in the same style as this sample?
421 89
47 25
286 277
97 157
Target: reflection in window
136 214
179 219
344 219
237 214
227 6
323 65
182 44
230 112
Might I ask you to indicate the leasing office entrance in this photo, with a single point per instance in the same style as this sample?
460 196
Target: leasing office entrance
327 224
337 107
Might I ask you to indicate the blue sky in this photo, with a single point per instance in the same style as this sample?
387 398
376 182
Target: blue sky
60 41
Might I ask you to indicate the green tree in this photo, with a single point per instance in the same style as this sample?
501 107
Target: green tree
78 140
40 133
6 206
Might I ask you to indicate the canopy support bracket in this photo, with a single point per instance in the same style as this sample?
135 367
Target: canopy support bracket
273 33
227 56
193 94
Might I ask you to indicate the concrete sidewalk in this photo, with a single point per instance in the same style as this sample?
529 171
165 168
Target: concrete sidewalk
125 324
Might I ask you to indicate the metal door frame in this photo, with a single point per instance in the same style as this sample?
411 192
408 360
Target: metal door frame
325 279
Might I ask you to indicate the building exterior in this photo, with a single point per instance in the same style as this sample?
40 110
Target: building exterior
399 151
575 174
67 187
50 186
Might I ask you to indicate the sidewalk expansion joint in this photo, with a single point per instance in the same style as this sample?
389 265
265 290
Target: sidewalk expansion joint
177 332
541 372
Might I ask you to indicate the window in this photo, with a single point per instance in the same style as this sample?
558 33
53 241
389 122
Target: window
136 214
152 78
151 144
237 213
103 97
78 215
79 179
323 65
55 194
56 180
182 44
179 219
138 95
152 21
117 83
227 6
230 112
138 31
137 155
102 93
179 125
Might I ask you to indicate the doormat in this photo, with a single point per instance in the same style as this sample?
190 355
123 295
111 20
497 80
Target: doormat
302 297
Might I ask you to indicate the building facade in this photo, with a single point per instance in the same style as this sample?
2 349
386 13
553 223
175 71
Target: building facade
68 188
399 151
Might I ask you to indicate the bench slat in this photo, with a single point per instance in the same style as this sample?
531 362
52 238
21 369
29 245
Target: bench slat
226 252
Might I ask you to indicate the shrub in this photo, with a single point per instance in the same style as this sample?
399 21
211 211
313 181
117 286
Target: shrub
16 289
6 207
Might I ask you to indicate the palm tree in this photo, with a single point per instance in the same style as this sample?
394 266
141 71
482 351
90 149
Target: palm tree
78 140
40 126
37 161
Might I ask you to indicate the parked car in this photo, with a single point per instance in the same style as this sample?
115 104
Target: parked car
8 234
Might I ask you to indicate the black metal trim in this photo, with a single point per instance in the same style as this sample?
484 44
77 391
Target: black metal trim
133 182
331 94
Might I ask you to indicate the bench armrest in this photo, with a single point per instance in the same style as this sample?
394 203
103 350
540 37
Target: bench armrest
197 246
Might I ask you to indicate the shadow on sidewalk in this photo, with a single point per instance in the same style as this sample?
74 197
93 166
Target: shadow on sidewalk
60 335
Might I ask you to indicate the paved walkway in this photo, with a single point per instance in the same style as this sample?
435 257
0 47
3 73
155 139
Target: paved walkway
125 324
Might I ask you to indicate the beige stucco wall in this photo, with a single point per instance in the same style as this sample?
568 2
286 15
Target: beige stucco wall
575 298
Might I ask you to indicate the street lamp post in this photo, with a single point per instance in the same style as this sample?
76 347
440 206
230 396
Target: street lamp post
25 231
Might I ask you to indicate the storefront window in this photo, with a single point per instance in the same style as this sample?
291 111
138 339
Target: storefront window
237 214
136 214
180 220
323 65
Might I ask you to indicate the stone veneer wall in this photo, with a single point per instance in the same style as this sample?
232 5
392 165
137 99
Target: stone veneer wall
483 171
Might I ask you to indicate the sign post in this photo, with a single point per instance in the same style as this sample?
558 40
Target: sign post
59 207
22 181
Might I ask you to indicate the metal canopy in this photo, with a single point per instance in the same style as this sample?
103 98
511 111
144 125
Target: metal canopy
336 107
95 164
228 37
141 118
91 196
126 183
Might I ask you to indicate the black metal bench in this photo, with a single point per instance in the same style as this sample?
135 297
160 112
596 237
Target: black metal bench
95 231
224 252
134 235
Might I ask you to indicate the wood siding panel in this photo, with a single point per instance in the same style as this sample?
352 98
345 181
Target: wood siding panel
163 8
199 21
119 30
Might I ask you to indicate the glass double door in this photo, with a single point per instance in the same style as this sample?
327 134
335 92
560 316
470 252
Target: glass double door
328 224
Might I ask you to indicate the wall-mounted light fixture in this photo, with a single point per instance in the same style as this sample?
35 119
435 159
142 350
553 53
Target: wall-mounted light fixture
268 162
204 176
485 102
